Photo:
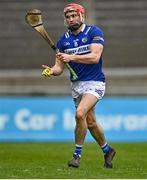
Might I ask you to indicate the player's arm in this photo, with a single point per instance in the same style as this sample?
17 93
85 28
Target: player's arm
90 58
56 70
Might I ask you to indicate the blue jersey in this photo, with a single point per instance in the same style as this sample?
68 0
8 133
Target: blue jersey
80 44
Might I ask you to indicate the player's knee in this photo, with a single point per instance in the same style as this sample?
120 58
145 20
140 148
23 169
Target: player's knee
80 115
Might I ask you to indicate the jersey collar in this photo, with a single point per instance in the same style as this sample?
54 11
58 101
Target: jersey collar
84 25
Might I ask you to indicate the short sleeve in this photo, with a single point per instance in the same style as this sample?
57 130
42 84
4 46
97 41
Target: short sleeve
59 45
97 35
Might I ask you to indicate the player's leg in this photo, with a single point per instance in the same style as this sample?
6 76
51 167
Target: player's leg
98 134
86 103
95 128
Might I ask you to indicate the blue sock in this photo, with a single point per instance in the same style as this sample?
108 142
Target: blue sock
78 150
105 148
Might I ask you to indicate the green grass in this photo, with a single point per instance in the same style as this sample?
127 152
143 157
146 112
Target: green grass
49 161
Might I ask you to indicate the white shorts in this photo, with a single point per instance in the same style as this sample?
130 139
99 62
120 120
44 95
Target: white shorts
96 88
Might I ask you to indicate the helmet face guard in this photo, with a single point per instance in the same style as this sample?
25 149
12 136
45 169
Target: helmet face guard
75 8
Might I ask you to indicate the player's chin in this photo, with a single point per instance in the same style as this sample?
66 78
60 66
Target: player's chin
74 27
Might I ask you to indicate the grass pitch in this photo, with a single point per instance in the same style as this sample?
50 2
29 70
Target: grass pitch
49 161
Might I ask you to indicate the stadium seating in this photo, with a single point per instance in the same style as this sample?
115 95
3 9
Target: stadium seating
23 50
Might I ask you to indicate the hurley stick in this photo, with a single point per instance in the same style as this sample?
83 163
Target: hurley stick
34 19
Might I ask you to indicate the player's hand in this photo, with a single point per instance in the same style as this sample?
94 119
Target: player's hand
63 57
47 72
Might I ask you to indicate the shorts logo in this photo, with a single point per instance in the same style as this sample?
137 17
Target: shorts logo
100 92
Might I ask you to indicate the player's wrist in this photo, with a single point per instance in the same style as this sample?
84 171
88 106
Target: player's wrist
73 57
